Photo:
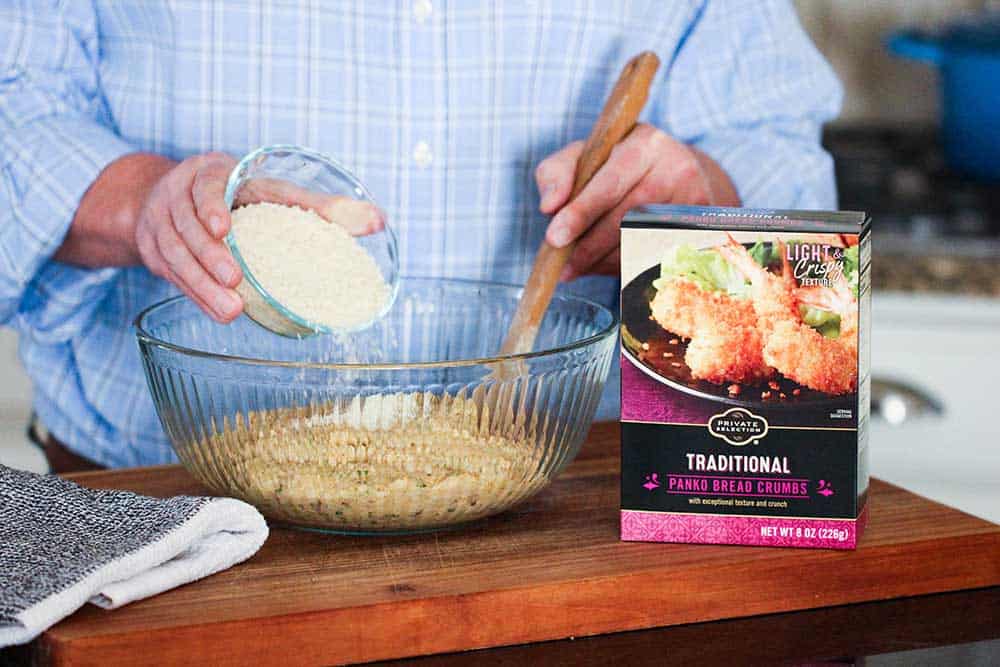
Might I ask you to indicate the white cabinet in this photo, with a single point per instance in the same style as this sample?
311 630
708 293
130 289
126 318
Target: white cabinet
948 347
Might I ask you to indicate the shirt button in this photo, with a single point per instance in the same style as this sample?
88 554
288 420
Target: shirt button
422 10
422 154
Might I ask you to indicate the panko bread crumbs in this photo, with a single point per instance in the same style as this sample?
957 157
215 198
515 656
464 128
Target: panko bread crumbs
745 382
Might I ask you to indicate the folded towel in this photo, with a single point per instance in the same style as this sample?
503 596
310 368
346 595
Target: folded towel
62 545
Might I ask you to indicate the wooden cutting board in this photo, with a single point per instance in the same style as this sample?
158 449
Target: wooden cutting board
550 569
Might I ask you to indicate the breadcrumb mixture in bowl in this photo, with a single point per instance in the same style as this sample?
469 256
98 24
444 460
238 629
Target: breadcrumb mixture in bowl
403 426
430 465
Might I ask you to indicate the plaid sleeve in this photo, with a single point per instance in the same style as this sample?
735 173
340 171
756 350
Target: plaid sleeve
56 136
748 88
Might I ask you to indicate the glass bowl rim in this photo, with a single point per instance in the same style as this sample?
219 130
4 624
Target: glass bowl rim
347 175
147 338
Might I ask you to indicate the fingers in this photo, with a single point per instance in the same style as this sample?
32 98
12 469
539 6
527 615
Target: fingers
152 257
179 230
176 244
211 253
600 240
208 192
174 279
627 165
554 176
358 217
182 268
686 184
609 265
672 175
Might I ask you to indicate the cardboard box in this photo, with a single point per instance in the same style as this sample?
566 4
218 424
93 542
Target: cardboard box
745 376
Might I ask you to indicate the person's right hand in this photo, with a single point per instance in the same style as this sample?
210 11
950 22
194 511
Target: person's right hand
180 229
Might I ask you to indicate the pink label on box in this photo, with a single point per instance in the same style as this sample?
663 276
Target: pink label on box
639 526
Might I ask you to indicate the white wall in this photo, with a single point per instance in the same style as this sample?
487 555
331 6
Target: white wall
15 388
15 408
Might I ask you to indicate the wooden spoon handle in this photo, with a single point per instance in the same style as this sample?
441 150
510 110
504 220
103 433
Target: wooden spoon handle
616 120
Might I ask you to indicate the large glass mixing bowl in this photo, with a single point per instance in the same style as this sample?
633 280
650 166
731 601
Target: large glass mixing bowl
409 425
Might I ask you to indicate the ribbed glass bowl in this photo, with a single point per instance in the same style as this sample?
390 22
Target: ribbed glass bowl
409 425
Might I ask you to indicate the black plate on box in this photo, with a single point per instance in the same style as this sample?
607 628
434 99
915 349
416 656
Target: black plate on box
638 327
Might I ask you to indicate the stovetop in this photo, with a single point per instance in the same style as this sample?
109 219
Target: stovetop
917 203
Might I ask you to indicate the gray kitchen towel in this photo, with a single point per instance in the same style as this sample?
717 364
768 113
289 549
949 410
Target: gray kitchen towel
62 545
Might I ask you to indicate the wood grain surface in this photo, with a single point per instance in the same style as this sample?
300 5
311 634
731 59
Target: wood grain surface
942 628
550 569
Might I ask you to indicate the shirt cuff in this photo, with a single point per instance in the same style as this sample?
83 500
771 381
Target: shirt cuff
771 169
48 168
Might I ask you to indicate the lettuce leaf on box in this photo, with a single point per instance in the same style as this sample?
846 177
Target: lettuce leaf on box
851 268
706 268
766 254
824 321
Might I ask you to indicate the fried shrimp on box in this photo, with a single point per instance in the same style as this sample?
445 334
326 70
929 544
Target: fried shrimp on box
795 349
725 343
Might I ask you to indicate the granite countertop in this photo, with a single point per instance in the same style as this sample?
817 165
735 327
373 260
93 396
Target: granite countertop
937 273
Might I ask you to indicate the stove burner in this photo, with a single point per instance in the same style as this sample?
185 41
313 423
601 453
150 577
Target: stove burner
901 179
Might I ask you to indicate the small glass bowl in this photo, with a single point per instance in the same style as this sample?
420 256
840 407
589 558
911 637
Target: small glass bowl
312 172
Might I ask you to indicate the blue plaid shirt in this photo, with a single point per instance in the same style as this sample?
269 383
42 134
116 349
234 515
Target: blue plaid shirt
443 107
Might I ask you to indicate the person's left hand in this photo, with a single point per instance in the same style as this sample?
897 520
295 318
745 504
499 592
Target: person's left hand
647 167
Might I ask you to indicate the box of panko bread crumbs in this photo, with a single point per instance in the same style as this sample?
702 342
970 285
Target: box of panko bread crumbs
745 384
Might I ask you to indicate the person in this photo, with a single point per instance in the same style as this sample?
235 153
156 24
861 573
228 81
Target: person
120 122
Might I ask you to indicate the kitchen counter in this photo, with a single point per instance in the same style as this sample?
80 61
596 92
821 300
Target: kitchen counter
937 274
551 569
943 347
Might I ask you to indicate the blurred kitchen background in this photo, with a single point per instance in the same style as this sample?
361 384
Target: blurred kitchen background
936 229
886 144
936 264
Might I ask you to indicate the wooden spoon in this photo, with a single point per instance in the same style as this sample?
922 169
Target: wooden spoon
616 120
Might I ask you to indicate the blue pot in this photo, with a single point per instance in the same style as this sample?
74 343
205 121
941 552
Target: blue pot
968 55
